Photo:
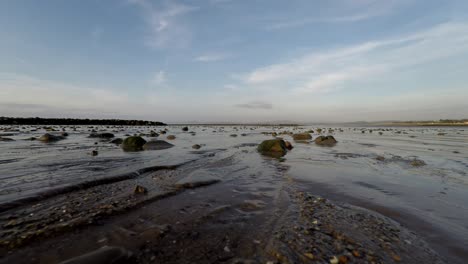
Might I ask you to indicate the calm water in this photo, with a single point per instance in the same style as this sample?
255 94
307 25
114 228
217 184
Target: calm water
431 200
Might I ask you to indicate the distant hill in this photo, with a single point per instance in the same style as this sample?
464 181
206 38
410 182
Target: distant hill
75 121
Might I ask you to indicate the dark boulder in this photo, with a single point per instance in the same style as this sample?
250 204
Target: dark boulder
325 141
273 147
302 136
50 138
157 145
133 143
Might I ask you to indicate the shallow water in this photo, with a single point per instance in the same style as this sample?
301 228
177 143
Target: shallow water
430 200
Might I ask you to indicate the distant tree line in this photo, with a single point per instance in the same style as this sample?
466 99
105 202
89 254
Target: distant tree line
75 121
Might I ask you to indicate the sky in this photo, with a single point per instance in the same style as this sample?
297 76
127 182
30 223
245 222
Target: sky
235 60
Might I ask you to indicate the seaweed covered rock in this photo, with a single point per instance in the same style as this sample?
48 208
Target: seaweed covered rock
273 147
50 138
157 145
325 141
302 136
133 143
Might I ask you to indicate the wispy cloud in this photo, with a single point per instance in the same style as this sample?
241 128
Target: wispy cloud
158 78
256 105
325 71
211 57
367 10
165 23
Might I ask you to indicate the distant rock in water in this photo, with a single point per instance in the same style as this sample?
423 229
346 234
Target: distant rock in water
104 255
157 145
50 138
185 129
273 147
101 135
2 139
417 163
302 136
288 145
140 190
117 141
171 137
196 146
325 141
133 143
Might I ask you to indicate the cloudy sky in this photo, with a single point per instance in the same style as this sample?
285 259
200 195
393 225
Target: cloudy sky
235 60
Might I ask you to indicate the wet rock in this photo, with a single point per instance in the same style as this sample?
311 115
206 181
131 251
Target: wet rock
104 255
50 138
288 145
185 129
101 135
2 139
64 134
133 143
140 190
380 158
157 145
325 141
153 134
171 137
233 135
196 146
117 141
273 147
197 179
417 163
302 136
94 153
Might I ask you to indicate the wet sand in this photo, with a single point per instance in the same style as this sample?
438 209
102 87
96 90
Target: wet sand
226 203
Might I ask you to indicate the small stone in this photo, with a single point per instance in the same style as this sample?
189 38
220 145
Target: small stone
196 146
309 255
140 190
334 260
94 153
171 137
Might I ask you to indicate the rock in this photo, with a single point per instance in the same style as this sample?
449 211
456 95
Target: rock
233 135
104 255
133 143
196 146
273 147
140 190
157 145
64 134
380 158
417 163
153 134
380 133
50 138
94 153
325 141
2 139
197 179
288 145
302 136
185 129
117 141
171 137
319 130
101 135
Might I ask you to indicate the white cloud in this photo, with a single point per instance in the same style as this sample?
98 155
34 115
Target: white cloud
212 57
158 78
324 71
165 25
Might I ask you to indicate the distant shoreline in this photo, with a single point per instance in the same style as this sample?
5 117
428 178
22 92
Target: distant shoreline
75 121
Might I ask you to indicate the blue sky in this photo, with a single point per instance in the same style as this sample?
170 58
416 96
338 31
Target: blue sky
235 60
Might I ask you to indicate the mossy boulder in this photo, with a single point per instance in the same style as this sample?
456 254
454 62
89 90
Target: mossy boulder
273 147
133 143
325 141
302 136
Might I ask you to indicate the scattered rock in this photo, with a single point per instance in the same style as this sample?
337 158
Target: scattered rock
380 158
117 141
171 137
417 163
185 129
325 141
288 145
2 139
50 138
273 147
140 190
94 153
233 135
302 136
101 135
157 145
196 146
133 143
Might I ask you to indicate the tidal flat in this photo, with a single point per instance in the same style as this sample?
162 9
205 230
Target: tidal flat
206 194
